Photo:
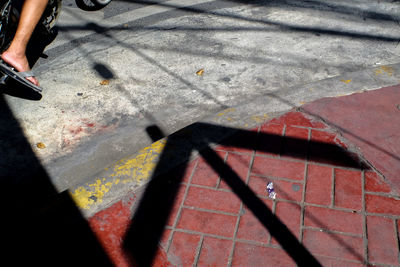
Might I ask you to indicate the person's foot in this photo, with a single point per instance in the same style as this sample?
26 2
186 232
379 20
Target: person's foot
20 63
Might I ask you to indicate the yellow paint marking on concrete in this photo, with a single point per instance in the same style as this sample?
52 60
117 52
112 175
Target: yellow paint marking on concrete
85 198
346 81
140 167
260 119
224 112
137 169
302 103
384 69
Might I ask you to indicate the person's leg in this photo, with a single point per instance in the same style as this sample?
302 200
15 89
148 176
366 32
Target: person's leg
15 55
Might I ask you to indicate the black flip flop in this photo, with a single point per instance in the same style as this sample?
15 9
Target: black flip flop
19 76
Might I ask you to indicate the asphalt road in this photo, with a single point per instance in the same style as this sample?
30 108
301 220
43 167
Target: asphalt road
110 74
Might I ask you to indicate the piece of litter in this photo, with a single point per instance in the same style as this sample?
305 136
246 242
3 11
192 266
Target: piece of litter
200 72
270 189
79 94
296 187
105 82
40 145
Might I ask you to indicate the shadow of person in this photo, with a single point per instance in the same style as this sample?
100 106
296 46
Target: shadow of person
39 225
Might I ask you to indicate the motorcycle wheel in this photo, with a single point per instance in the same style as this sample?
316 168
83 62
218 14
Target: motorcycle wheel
92 5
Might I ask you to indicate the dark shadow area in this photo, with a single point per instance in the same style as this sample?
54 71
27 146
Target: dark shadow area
150 218
15 89
39 226
104 71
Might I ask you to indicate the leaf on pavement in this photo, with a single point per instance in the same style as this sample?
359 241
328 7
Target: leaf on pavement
40 145
200 72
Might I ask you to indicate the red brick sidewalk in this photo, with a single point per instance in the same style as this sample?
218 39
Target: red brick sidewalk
341 213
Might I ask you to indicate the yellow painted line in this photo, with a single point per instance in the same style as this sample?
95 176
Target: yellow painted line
137 169
346 81
259 119
226 111
384 69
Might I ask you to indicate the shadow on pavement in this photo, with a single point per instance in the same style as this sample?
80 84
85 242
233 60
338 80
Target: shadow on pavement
39 225
44 226
151 216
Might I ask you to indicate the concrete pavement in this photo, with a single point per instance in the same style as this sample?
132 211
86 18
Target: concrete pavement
108 94
112 73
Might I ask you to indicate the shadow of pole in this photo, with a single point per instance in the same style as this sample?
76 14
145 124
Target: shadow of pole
154 209
143 237
150 218
275 226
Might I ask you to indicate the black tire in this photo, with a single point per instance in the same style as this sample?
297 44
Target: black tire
92 5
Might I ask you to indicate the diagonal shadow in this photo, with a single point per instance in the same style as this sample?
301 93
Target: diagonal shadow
211 8
39 225
288 26
151 216
107 33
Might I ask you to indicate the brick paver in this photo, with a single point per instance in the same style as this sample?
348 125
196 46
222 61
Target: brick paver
342 213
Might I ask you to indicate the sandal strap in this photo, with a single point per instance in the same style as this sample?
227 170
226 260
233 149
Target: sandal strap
27 74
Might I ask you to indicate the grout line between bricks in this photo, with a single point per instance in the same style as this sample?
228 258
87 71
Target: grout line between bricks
312 128
277 178
335 258
332 231
383 194
333 189
210 211
178 215
390 216
198 251
241 206
274 203
219 177
230 258
303 197
365 235
396 230
291 159
201 233
260 244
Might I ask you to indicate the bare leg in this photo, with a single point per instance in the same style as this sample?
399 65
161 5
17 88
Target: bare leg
15 55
